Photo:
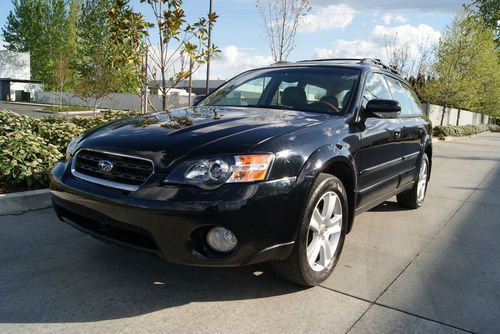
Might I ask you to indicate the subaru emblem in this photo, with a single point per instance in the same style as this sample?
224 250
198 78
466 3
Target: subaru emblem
105 166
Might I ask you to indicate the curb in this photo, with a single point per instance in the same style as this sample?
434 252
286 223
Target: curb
450 138
65 113
24 201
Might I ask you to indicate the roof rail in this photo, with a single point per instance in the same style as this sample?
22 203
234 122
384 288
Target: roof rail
374 61
332 59
281 62
379 63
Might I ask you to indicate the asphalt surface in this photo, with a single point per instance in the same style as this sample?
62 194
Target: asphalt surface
29 110
432 270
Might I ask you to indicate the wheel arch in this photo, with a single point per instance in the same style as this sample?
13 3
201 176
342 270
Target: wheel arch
335 160
344 171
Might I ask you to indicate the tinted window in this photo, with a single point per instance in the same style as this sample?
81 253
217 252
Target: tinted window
246 94
415 104
399 94
295 88
375 89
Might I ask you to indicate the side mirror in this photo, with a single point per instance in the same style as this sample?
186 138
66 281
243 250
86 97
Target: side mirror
383 109
198 98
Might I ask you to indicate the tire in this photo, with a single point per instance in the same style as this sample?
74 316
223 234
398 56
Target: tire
329 234
410 198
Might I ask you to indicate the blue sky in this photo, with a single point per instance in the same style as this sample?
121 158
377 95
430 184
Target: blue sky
355 28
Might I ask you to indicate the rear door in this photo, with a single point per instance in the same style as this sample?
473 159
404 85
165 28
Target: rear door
379 160
413 128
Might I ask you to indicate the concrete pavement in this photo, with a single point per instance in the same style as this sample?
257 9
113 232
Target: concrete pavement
435 269
28 109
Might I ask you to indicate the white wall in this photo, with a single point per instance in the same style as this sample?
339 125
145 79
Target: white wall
121 101
15 65
33 88
466 117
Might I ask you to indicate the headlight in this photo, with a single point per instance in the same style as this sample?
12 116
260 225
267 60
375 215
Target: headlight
70 150
213 172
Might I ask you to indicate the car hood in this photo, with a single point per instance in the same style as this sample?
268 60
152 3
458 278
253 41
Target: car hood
165 138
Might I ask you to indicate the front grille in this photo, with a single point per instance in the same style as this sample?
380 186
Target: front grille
126 170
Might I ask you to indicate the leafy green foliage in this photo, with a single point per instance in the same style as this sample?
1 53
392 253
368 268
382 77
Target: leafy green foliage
26 158
12 122
42 28
464 130
183 45
489 12
30 147
466 74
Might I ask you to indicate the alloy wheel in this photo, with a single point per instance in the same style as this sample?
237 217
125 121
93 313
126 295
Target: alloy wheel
324 231
422 181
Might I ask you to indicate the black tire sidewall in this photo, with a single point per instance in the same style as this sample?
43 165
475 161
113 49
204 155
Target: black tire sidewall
326 183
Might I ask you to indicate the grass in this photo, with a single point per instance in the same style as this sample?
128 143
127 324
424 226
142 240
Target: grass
67 108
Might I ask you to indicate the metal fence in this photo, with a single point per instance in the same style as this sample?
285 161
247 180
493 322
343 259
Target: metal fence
120 101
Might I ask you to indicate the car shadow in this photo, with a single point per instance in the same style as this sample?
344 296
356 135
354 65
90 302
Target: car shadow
388 206
60 275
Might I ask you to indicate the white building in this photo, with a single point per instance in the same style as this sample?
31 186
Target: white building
15 77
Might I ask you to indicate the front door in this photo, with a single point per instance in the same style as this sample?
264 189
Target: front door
380 156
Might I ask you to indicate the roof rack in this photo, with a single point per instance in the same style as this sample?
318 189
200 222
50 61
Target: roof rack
374 61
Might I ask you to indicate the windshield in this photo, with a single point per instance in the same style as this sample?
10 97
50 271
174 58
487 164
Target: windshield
321 89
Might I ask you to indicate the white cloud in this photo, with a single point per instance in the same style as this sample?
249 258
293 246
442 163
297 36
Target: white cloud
327 17
411 38
388 18
233 61
448 6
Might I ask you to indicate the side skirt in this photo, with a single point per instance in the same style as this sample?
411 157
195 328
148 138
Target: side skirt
382 199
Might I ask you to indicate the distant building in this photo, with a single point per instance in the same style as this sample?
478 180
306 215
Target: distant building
198 86
15 77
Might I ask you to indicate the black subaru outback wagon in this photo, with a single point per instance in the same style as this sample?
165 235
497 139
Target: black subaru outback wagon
272 166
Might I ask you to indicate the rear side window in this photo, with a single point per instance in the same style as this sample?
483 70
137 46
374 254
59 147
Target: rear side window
375 89
401 95
415 104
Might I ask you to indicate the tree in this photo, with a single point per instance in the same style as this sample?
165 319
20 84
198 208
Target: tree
62 75
489 12
179 44
46 29
96 78
406 61
127 44
281 21
458 71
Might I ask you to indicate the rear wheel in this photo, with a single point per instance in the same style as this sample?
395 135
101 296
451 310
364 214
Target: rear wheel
414 198
321 236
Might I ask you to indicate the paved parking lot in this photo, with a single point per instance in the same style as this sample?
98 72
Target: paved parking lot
436 269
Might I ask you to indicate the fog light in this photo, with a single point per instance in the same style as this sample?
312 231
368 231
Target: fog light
221 239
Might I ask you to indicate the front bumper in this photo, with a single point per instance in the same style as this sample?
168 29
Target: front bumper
171 221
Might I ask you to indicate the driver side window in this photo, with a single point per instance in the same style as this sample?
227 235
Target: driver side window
375 89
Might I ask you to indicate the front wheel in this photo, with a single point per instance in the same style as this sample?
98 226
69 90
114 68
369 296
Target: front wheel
414 198
321 236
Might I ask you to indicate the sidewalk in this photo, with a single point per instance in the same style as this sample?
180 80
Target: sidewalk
431 270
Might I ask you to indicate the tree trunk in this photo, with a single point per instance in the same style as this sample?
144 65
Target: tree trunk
442 115
190 85
458 117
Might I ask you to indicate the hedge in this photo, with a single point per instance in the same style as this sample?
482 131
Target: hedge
30 147
463 130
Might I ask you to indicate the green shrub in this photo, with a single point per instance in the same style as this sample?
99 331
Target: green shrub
29 147
26 158
10 121
463 130
58 133
67 108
